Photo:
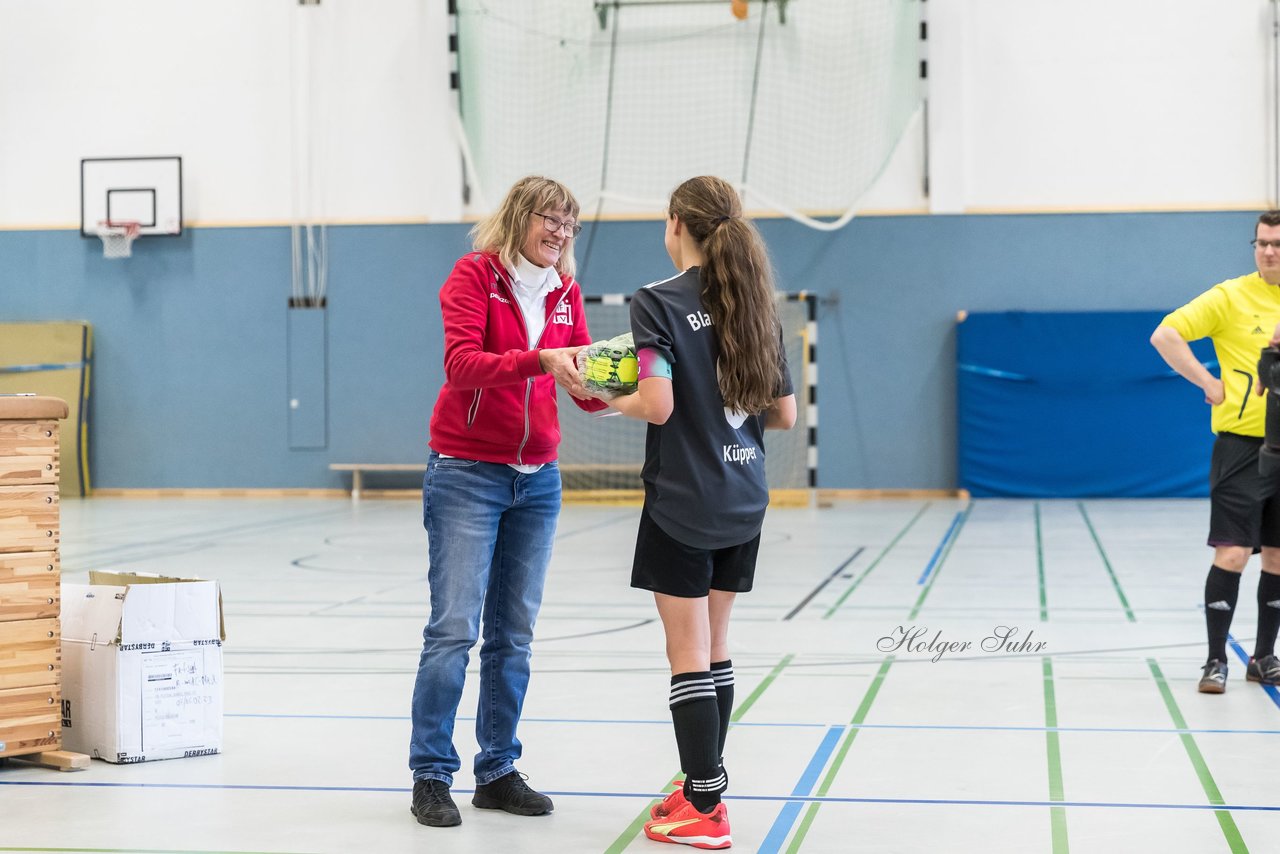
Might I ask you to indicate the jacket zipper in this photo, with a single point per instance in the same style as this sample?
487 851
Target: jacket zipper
528 384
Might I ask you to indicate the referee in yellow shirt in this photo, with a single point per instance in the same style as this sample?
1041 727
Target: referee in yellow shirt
1240 316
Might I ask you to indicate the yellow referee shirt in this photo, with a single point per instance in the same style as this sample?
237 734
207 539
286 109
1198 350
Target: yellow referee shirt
1239 315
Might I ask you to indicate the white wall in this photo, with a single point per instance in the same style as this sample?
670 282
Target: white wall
212 82
1116 103
1035 105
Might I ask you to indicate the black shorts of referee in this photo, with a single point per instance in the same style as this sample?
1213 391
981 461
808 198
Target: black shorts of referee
1244 507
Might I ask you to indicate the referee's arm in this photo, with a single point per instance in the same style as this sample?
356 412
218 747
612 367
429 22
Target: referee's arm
1177 353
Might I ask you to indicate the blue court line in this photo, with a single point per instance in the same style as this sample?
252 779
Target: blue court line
797 725
25 369
404 790
791 810
933 561
1244 656
781 827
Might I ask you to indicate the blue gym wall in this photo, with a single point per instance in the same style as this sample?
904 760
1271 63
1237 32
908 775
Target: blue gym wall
191 362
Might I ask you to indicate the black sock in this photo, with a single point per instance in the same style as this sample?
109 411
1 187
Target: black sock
1220 591
722 675
1268 615
697 723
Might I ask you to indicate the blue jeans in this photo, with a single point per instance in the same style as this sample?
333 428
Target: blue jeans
489 532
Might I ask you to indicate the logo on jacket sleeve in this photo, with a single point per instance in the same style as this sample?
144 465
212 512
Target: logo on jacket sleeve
563 314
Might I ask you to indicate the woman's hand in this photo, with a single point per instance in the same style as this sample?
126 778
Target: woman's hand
562 364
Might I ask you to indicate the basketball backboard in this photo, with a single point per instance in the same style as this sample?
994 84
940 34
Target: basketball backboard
146 190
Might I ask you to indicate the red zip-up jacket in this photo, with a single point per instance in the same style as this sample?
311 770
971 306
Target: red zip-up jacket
496 404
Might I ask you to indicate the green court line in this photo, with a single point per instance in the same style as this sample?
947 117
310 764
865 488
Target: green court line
1229 829
1044 610
1057 815
880 557
937 570
636 826
858 718
764 683
1115 582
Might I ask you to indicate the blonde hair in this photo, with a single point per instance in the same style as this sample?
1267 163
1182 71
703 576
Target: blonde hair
504 230
737 291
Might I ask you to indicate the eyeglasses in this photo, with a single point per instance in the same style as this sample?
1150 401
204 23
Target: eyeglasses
1265 244
554 224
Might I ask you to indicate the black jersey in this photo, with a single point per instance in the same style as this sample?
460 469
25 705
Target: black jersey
704 468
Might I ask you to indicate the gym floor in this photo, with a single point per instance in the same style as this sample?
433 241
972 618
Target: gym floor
912 676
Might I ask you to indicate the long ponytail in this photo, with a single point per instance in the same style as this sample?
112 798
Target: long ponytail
738 291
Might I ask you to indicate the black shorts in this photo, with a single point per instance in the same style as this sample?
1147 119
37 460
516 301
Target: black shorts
1244 509
666 565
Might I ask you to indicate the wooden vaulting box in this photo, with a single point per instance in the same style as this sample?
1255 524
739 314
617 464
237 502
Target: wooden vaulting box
30 638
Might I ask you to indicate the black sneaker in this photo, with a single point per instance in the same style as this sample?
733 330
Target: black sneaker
1265 670
432 804
511 793
1214 680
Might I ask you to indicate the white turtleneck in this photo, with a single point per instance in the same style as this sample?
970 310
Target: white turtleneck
531 285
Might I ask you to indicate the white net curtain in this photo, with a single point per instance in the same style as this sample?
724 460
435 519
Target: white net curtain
622 101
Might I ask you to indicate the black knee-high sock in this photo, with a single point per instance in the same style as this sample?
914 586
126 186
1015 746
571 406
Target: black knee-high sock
697 724
1268 615
722 675
1220 591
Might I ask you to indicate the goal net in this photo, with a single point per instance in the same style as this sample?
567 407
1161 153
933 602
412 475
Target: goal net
600 457
800 105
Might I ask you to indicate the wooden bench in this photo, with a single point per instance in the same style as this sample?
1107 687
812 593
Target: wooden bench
358 469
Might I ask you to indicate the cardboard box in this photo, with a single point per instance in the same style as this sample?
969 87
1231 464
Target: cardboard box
142 667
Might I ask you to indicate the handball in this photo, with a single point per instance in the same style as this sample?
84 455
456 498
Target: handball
610 367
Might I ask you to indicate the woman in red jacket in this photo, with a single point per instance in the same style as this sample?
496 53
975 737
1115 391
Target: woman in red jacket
513 324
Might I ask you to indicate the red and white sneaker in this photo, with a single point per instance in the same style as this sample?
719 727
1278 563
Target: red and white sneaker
670 803
686 826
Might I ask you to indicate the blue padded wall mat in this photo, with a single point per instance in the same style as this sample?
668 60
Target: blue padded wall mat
1077 405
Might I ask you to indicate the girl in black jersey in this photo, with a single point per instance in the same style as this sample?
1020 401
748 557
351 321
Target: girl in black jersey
713 378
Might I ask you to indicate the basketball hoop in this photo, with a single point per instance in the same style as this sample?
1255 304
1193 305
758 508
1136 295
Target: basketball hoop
117 237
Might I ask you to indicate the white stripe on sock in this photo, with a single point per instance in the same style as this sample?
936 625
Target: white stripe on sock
716 784
697 685
689 698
